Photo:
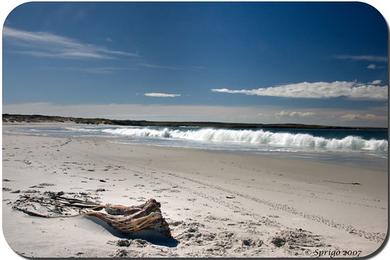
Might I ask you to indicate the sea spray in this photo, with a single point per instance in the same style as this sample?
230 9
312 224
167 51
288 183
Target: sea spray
256 138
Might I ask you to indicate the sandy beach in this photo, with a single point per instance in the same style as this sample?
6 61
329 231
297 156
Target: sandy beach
216 203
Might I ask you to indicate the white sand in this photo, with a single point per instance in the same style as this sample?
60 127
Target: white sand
217 204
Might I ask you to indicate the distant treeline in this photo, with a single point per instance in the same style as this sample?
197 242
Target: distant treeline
13 118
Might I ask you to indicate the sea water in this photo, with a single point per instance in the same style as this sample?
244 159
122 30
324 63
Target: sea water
353 145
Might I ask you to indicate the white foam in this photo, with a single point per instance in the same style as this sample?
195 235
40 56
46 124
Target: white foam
257 138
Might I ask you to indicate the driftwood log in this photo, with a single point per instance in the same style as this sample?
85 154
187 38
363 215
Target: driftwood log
126 219
134 219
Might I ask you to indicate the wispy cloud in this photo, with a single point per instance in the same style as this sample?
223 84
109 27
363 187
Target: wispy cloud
161 95
374 66
352 90
295 113
167 67
156 66
44 44
352 117
376 82
371 58
101 70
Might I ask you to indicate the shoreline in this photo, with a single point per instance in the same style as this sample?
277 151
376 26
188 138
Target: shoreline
214 193
373 161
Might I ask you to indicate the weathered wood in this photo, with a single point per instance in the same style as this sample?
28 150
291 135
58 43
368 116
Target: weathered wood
126 219
134 219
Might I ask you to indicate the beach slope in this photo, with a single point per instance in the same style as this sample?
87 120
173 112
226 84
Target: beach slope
216 203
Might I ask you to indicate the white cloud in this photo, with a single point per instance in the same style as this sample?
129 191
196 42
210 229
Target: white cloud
351 117
44 44
376 82
161 95
334 89
295 113
371 58
371 67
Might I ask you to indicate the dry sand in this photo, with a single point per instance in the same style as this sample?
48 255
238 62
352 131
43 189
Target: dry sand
216 203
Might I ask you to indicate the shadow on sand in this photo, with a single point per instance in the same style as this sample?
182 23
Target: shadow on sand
148 235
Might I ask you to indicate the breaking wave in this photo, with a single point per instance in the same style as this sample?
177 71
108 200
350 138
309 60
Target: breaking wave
256 138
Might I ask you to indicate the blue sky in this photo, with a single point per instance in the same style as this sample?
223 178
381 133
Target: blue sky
241 62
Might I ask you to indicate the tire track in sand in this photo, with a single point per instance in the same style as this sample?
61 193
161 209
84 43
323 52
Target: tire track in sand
371 236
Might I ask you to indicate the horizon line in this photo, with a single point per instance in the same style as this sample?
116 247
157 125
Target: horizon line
253 125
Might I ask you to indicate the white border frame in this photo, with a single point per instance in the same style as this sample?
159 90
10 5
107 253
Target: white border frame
6 7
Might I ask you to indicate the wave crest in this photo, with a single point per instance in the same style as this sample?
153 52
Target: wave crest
258 137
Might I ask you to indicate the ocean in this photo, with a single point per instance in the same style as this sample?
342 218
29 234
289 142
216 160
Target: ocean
368 141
